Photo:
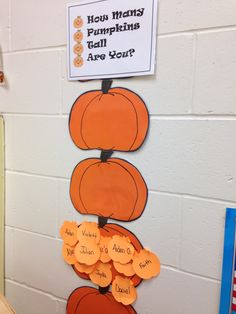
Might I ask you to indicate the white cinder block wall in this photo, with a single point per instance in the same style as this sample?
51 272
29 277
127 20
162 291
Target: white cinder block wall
188 159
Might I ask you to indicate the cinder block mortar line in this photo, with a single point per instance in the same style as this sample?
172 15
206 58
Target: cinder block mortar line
195 197
160 35
189 117
9 27
194 62
23 285
200 30
195 275
180 239
61 84
161 192
33 233
34 50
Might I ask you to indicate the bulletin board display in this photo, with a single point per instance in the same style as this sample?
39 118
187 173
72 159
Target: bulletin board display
228 287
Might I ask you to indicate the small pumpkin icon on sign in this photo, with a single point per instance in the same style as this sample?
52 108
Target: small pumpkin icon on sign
78 36
78 22
78 61
78 49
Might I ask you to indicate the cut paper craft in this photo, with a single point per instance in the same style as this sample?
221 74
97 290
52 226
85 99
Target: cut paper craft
108 230
87 300
109 119
87 253
123 290
146 264
103 244
101 275
68 253
88 231
84 268
120 249
126 269
113 189
68 232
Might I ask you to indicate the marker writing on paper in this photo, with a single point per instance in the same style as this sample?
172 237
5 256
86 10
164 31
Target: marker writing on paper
85 250
88 234
145 263
101 274
122 290
68 232
118 249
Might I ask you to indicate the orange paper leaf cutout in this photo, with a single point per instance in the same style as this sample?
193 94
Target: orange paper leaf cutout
123 290
146 264
120 249
84 268
126 269
101 275
87 253
103 244
88 231
68 253
68 232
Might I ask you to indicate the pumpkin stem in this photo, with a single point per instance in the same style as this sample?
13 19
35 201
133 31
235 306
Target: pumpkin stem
106 154
103 290
102 221
106 85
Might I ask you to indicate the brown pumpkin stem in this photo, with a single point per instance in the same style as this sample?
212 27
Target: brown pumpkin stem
103 290
105 154
102 221
106 85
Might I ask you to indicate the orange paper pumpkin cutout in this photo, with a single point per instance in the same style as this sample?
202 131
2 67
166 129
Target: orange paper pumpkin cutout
108 231
114 189
123 290
109 119
86 300
87 253
120 249
88 231
68 253
84 268
146 264
103 244
68 232
101 275
126 269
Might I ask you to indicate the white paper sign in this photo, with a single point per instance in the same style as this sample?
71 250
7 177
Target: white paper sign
111 38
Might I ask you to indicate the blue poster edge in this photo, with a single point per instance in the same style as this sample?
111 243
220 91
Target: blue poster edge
228 260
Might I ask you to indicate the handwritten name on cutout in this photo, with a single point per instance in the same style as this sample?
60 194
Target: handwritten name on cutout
123 290
120 249
88 231
101 275
68 232
87 253
68 254
146 264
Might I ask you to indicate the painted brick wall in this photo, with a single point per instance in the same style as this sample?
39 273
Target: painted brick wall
188 159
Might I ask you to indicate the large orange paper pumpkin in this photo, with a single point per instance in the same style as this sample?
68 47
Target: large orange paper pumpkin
113 189
109 119
87 300
110 230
